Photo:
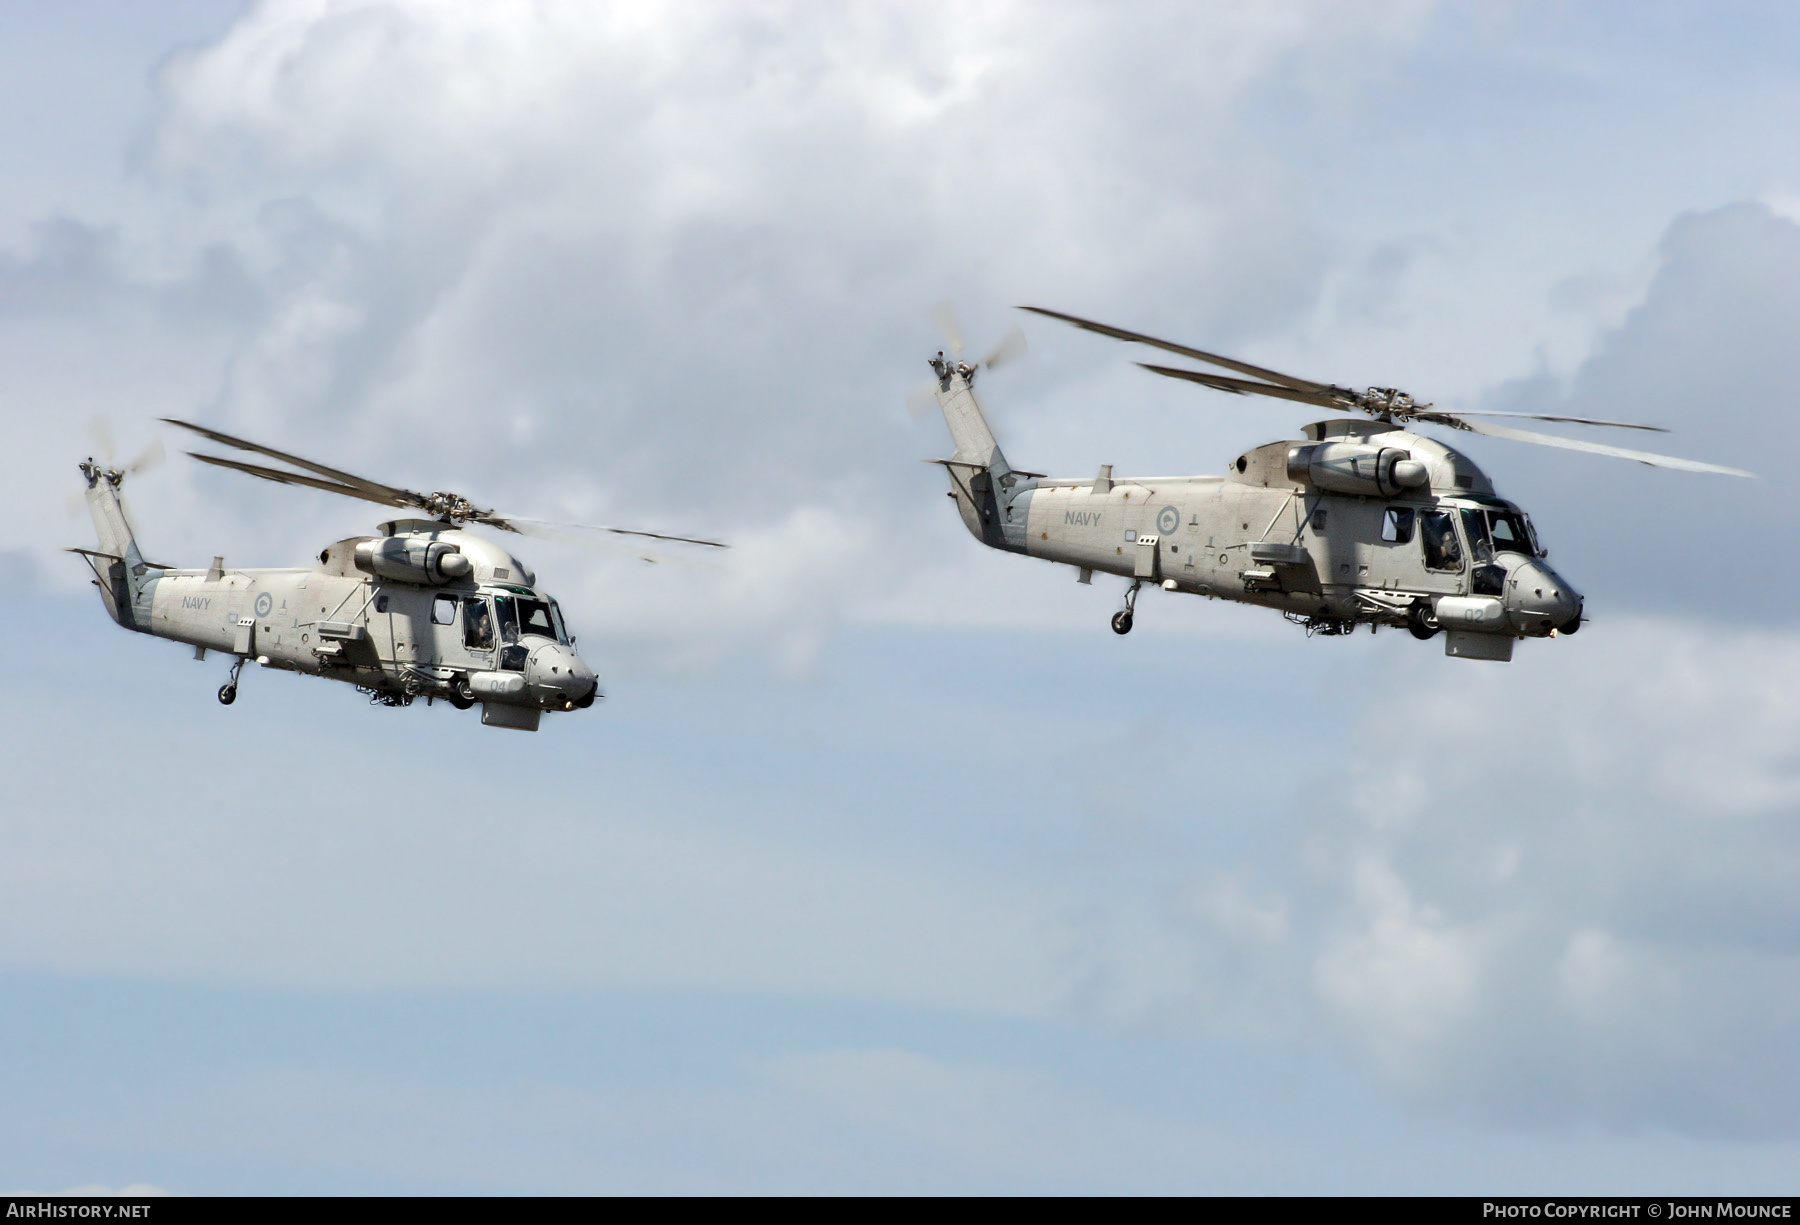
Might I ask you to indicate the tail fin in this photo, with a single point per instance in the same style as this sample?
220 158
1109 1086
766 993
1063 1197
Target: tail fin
982 482
119 569
975 445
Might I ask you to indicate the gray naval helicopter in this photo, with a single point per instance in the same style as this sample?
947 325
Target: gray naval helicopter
1359 522
425 608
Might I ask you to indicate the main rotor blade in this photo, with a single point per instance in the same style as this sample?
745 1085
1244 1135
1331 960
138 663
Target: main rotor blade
374 491
1238 387
518 523
1574 444
588 540
295 478
1623 425
1274 376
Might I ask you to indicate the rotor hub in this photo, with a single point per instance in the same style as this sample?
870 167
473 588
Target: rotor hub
452 507
1388 403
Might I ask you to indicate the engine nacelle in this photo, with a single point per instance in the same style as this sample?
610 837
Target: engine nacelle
412 559
1356 468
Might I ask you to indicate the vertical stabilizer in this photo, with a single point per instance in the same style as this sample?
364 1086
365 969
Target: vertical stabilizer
975 445
119 569
991 497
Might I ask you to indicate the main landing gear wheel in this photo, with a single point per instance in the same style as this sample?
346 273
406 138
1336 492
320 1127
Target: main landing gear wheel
1422 622
461 696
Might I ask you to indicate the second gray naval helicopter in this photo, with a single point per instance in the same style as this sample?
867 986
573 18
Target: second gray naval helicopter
423 609
1361 521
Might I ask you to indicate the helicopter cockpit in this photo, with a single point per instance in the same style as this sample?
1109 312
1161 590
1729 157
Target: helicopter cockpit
1498 549
519 630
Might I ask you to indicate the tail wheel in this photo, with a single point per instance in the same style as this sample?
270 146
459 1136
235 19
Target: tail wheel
227 694
1422 622
1121 622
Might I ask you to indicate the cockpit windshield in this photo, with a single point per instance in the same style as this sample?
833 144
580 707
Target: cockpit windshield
521 615
534 618
1511 533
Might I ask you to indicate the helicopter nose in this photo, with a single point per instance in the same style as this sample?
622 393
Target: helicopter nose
1539 600
563 679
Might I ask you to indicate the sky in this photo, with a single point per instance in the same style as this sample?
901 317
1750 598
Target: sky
885 866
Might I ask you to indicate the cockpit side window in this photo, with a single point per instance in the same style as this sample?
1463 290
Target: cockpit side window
1475 526
562 631
1397 524
443 610
478 624
1437 531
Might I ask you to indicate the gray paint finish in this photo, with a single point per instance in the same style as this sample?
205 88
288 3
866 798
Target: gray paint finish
1278 529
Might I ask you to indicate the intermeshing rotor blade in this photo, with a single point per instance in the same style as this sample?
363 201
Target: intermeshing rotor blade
374 491
1238 387
520 524
1622 425
1573 444
295 478
1274 376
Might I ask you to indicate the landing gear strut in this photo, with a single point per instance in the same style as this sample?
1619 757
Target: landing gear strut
1121 621
228 691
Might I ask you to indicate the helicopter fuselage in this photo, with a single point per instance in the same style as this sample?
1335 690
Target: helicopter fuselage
1360 522
422 610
